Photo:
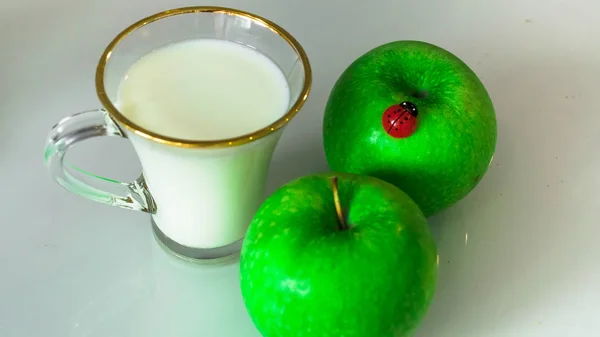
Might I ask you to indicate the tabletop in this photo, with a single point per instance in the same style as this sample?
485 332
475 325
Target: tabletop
518 256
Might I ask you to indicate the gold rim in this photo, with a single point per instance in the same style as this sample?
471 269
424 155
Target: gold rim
278 124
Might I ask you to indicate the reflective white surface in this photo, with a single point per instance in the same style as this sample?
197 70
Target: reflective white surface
530 265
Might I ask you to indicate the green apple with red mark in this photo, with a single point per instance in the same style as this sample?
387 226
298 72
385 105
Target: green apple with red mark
338 255
415 115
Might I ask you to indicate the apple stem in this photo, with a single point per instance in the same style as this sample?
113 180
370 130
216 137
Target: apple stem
338 206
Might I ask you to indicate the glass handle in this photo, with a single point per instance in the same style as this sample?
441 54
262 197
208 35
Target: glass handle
81 126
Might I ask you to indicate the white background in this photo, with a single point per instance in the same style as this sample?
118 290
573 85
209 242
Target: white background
70 267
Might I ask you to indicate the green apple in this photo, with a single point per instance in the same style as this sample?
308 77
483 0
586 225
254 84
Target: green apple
360 262
414 115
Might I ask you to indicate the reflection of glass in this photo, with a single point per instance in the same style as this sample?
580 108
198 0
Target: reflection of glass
192 300
167 297
201 194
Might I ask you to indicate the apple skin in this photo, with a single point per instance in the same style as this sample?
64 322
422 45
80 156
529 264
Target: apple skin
455 136
301 275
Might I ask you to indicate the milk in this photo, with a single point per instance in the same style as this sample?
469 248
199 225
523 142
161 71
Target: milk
204 90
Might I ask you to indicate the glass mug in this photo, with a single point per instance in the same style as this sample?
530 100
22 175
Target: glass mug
201 195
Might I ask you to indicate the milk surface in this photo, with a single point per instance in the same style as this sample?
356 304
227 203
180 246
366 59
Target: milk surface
204 89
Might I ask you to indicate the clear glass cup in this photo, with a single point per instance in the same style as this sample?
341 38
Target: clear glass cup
201 195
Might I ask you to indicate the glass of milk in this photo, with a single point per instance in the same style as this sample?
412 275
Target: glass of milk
203 94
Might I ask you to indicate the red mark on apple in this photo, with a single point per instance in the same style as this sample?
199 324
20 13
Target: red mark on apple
400 120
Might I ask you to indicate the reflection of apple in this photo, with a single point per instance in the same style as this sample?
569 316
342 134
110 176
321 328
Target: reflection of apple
415 115
310 267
